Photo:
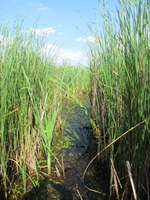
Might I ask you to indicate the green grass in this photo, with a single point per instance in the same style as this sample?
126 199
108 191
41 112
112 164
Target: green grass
33 91
75 79
28 107
120 95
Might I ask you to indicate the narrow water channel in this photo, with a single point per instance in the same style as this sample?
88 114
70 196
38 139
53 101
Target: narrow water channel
72 151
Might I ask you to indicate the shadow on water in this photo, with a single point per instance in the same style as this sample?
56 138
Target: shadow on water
48 190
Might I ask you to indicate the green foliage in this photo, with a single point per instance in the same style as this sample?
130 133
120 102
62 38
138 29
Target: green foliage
32 93
120 95
28 105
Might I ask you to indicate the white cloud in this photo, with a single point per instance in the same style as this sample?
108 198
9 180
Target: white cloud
49 50
42 7
61 55
74 57
42 31
89 39
79 39
70 54
5 40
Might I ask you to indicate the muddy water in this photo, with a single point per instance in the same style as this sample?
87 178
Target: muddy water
72 151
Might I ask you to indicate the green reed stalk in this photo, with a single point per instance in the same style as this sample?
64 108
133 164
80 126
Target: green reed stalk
120 91
28 106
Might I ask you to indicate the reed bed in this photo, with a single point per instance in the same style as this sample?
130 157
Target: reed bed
30 104
76 79
120 96
32 95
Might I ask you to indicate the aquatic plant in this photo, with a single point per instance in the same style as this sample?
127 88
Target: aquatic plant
33 91
120 95
29 105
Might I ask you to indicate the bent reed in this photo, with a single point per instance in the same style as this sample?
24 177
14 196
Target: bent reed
120 96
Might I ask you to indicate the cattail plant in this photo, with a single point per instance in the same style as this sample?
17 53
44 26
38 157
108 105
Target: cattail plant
29 106
120 95
32 92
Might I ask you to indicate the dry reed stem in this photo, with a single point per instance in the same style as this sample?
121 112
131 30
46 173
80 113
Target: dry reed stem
63 167
43 108
131 179
79 194
57 171
116 180
109 145
115 172
116 186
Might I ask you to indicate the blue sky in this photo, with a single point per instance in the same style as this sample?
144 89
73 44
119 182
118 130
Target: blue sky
65 21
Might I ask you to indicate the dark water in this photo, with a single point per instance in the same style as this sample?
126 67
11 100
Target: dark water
73 148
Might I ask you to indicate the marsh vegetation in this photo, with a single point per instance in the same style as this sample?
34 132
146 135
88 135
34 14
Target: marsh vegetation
34 95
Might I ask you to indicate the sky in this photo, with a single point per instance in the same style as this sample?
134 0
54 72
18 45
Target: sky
65 23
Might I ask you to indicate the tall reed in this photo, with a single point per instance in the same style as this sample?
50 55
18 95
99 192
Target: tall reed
29 106
75 78
32 91
120 95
